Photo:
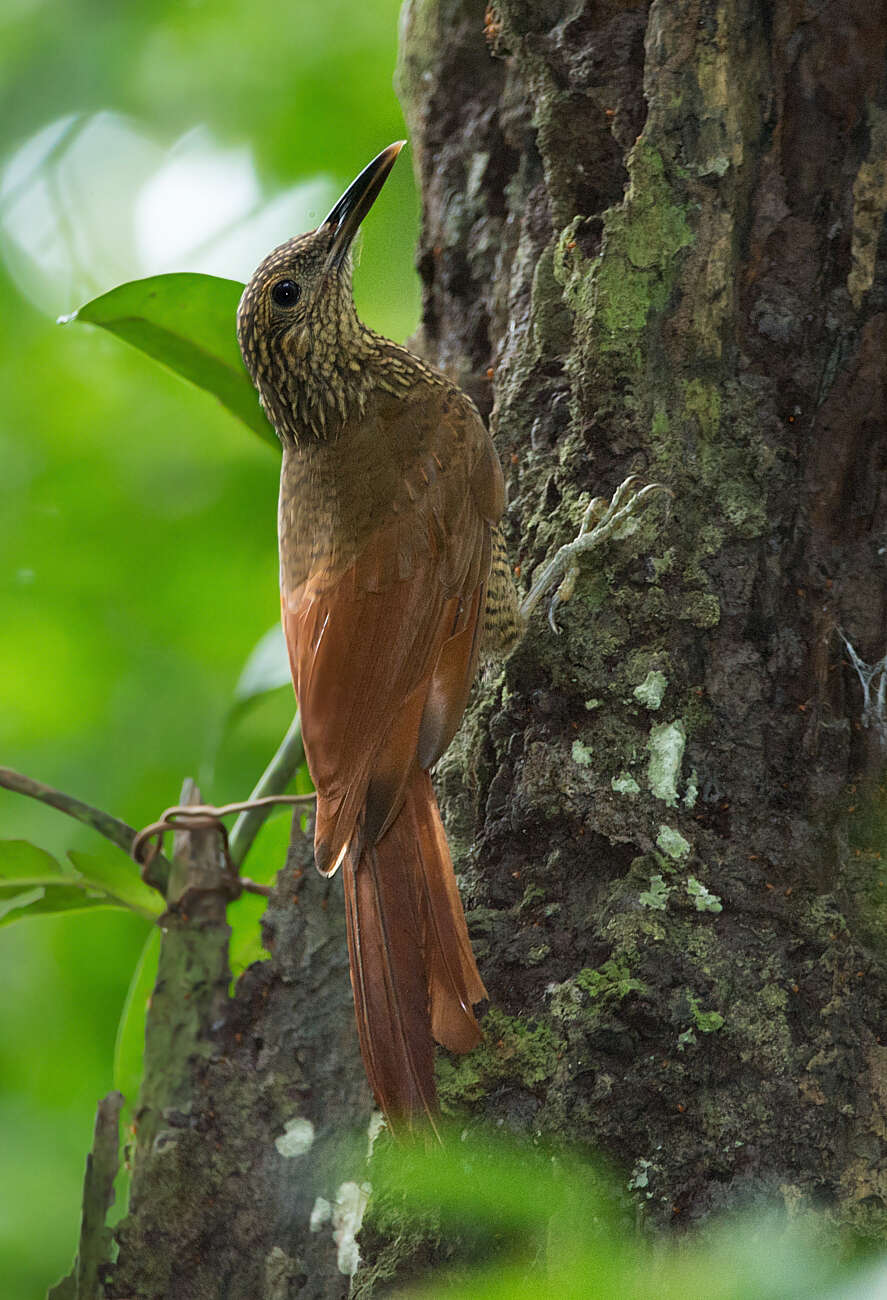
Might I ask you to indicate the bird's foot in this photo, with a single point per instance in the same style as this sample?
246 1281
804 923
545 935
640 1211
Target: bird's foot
600 521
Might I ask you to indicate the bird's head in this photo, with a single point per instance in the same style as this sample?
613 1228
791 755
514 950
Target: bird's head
296 324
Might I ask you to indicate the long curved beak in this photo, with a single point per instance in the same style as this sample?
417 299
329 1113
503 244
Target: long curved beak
349 211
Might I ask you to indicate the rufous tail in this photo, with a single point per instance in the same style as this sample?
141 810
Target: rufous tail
412 968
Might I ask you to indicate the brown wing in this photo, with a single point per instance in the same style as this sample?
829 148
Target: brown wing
384 626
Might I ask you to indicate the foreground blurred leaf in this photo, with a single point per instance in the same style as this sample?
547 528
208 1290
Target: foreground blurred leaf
548 1223
507 1186
186 321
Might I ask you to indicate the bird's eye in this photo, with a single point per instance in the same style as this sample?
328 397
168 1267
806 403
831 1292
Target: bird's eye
285 293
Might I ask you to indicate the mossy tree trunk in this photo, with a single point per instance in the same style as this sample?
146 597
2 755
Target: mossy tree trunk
653 243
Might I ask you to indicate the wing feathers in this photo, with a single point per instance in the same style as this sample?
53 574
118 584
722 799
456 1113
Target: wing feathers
363 665
451 683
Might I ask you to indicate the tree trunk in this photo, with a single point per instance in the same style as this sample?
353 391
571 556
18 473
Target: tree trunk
244 1162
662 228
652 244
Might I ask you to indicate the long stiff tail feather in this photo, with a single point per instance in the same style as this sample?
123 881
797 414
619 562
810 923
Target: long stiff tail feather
412 968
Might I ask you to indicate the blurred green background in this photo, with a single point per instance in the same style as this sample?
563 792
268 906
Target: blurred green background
138 563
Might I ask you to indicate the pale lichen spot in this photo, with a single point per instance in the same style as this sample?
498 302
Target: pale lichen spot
348 1211
374 1128
703 899
666 745
625 783
869 206
321 1213
651 689
672 843
657 895
297 1139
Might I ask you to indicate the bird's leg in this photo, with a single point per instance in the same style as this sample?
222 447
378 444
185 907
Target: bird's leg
600 521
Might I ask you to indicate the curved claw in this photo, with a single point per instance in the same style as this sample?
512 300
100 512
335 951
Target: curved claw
626 489
596 511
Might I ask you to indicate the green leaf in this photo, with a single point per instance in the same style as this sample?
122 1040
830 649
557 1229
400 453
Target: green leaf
18 900
247 947
129 1049
186 321
116 874
21 861
13 897
33 883
266 669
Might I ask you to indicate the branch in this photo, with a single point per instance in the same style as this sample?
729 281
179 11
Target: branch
114 830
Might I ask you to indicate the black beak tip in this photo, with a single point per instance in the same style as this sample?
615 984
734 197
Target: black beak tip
346 215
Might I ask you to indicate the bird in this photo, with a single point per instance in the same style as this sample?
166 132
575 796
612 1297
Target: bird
394 581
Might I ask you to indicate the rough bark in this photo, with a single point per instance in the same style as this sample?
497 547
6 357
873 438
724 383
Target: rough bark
653 243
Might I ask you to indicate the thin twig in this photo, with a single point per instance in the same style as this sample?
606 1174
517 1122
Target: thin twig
273 781
114 830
